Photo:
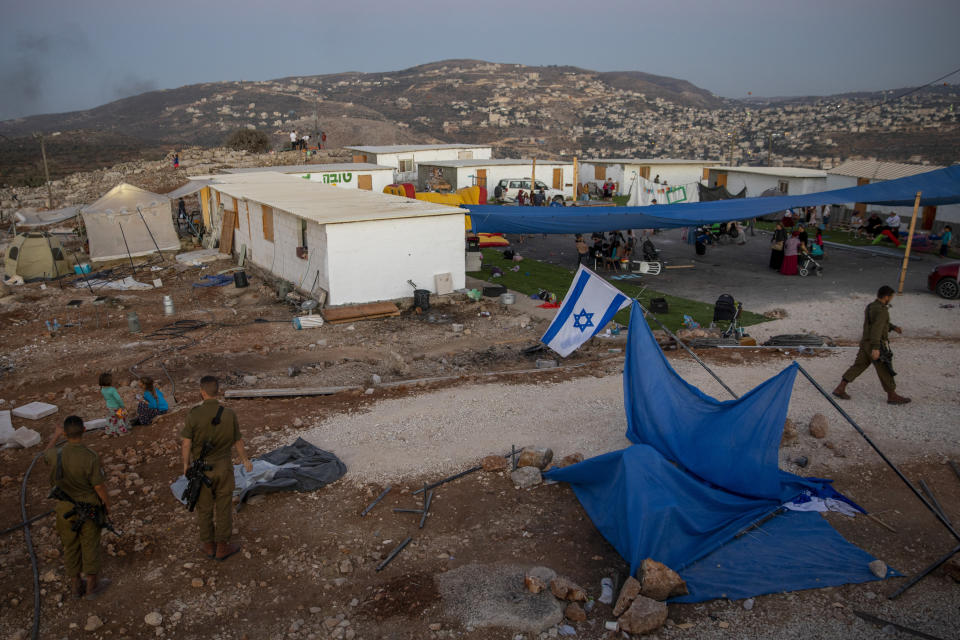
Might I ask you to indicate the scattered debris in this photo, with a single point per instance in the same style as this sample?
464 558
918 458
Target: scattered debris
35 410
643 616
567 589
538 457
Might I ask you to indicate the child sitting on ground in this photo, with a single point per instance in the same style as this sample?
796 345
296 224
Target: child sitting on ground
116 416
151 403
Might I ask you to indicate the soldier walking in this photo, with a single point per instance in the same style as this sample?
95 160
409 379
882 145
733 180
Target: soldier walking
212 422
875 349
76 472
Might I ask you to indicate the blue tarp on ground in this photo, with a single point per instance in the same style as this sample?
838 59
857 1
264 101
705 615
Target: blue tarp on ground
937 188
702 471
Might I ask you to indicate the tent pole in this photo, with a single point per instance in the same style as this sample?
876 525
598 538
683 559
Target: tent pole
124 236
151 233
686 348
89 286
923 574
56 269
906 253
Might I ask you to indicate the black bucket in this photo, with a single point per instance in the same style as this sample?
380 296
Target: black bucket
240 279
421 299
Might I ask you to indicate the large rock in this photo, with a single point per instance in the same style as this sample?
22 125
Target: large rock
643 616
538 457
878 568
93 623
494 463
575 612
660 582
818 426
628 592
537 579
567 589
790 435
526 477
568 460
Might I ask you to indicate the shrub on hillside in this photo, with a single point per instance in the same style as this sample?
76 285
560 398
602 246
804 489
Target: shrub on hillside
248 140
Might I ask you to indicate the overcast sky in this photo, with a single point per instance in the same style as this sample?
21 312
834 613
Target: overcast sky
62 55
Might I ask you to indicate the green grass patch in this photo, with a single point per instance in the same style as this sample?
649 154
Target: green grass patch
557 279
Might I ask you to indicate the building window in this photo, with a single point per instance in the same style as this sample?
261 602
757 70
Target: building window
599 172
783 186
405 166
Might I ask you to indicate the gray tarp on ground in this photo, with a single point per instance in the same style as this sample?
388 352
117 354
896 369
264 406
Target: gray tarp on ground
296 467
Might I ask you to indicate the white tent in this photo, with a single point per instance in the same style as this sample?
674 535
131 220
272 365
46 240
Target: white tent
116 227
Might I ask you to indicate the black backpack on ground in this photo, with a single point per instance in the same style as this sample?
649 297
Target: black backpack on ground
700 248
725 308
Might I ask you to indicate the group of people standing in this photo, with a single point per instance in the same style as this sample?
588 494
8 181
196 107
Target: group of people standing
787 247
83 503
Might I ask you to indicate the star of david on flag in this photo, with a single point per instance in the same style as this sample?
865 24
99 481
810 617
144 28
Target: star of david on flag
589 305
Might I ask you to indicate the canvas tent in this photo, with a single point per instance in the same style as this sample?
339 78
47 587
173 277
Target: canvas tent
702 471
36 256
114 218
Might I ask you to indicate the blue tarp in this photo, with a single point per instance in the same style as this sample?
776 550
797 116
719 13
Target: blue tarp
937 188
702 471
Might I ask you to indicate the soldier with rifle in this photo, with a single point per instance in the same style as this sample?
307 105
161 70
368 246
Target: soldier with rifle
82 505
875 349
210 432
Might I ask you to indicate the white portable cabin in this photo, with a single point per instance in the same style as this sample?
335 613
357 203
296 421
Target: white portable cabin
356 245
405 158
349 175
855 173
487 173
793 181
623 170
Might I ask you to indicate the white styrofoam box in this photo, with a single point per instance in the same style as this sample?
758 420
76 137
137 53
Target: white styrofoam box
26 438
444 283
99 423
6 427
35 410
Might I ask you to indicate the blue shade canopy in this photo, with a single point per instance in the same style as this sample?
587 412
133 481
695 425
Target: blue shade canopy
936 187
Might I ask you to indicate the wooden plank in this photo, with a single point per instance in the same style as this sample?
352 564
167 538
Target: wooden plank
360 312
286 393
226 232
375 316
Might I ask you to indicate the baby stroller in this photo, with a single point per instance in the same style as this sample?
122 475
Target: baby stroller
808 265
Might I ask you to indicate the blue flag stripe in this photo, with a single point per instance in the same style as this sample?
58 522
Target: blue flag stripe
610 312
566 309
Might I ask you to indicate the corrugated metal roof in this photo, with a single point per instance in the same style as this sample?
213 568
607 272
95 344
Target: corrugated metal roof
783 172
876 170
314 168
402 148
493 162
323 203
188 189
650 161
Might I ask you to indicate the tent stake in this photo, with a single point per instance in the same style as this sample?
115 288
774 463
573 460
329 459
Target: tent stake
687 349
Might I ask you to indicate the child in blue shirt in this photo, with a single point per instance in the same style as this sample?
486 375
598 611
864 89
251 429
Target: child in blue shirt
150 403
945 240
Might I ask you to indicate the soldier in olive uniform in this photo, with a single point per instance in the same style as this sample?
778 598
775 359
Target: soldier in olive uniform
76 470
875 349
214 423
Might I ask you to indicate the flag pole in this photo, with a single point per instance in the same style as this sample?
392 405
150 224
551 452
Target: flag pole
906 253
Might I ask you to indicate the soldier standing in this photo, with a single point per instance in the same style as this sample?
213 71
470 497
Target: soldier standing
76 471
212 422
875 349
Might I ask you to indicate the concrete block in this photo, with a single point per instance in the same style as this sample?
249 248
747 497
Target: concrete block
26 438
35 410
98 423
6 427
444 283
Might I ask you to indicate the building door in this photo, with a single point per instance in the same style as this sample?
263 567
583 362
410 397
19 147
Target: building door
721 180
860 207
929 216
482 178
558 178
365 182
645 172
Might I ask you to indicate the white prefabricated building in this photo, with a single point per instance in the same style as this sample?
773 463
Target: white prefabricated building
855 173
793 181
404 158
358 246
349 175
487 173
623 170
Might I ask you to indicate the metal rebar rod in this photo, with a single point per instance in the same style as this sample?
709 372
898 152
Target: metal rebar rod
455 476
956 468
933 498
687 349
883 623
393 554
124 236
883 456
151 234
25 522
399 510
82 273
426 509
923 574
376 501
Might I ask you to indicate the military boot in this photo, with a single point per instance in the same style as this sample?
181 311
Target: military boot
893 398
78 588
225 550
209 549
841 391
95 586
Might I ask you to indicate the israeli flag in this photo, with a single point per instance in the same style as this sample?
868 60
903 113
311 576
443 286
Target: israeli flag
589 305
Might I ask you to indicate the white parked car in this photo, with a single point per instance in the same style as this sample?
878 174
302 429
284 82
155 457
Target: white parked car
509 188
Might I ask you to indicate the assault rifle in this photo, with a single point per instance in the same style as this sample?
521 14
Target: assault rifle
83 511
886 358
196 478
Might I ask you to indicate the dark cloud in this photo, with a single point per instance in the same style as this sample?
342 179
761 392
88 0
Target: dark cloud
131 85
25 76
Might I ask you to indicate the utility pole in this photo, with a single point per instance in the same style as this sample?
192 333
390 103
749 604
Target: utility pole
769 149
46 169
732 140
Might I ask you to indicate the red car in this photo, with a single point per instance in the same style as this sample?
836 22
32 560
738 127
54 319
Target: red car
943 280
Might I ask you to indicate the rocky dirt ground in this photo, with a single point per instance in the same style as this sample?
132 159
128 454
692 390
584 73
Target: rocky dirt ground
308 567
